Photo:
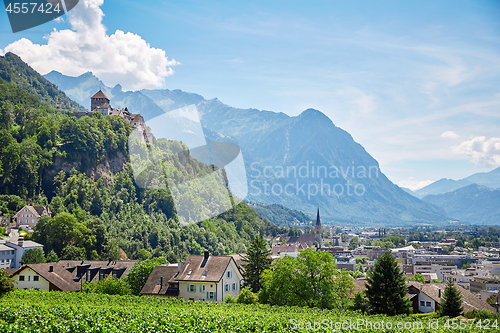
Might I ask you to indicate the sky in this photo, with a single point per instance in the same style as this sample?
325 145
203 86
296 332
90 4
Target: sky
416 83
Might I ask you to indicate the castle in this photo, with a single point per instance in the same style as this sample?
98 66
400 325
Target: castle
99 102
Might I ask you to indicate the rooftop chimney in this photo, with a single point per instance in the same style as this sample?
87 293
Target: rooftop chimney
206 255
179 266
51 268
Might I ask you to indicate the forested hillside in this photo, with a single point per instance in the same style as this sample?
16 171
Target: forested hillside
18 73
283 216
81 169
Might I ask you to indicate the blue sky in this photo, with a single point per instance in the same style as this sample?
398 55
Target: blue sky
416 83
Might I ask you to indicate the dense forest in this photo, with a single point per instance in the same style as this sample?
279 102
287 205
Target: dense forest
81 169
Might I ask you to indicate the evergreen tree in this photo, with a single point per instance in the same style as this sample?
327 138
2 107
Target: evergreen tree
258 259
386 288
451 304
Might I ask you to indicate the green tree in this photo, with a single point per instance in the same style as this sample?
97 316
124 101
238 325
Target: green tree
72 252
33 256
246 296
139 273
6 283
451 302
110 285
354 244
51 257
386 288
311 279
417 277
258 259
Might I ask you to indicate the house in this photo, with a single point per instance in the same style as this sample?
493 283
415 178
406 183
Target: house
209 278
20 247
97 270
28 216
48 276
162 281
426 297
7 257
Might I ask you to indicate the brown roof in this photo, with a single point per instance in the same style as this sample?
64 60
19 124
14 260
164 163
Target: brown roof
35 210
59 278
238 259
100 94
102 106
469 301
158 281
214 267
79 267
359 285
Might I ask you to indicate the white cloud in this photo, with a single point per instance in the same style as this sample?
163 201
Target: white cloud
480 150
364 104
450 135
414 184
123 58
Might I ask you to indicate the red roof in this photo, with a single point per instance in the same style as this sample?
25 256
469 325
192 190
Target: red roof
99 94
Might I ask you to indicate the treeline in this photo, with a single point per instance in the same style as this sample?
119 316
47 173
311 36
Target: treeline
96 213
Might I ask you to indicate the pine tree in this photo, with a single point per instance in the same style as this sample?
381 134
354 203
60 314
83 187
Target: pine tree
451 304
386 289
258 259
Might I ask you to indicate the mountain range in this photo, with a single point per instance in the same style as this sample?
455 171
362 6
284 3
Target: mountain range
299 162
489 179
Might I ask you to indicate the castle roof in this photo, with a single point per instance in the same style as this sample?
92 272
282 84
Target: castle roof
99 94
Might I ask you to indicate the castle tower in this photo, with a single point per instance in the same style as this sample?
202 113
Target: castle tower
317 233
99 100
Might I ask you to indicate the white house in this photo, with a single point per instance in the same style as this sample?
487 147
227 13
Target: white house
48 276
209 278
7 257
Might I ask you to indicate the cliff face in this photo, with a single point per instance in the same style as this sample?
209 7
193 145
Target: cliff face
105 169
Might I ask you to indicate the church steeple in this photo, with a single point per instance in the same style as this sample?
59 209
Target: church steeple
317 233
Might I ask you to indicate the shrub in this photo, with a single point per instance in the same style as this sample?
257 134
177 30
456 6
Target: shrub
246 296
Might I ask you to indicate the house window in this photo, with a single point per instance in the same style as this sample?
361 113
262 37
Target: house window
101 276
428 304
191 288
88 276
35 278
235 286
29 277
227 287
202 288
21 277
229 274
211 295
422 303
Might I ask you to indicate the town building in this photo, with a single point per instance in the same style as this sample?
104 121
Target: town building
200 278
20 247
28 216
427 297
48 276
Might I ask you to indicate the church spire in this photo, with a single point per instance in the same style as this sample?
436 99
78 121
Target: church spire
318 222
317 233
